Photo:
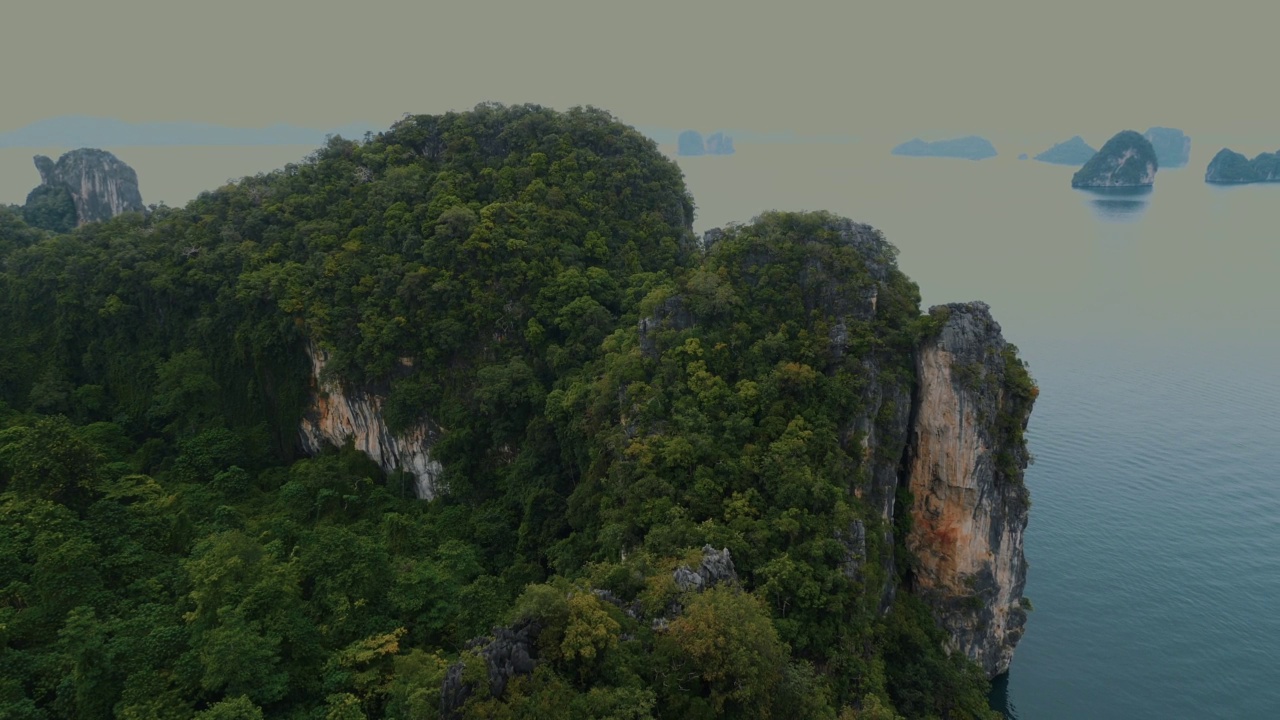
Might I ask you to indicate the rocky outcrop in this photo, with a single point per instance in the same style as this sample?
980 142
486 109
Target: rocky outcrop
971 147
1232 168
1068 152
100 185
338 414
1172 146
509 652
1126 160
964 472
716 568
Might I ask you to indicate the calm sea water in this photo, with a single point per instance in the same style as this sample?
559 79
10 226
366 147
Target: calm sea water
1150 322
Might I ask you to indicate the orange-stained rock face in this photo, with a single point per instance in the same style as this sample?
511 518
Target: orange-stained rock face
337 414
967 519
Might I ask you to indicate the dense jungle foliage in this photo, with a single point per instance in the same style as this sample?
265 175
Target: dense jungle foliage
167 552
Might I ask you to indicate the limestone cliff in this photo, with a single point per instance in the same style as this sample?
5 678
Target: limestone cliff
101 186
338 413
964 471
944 424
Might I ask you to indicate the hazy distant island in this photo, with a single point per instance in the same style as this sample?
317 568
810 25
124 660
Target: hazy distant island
971 147
1231 168
83 186
1127 160
84 131
1068 152
1022 156
690 143
1172 146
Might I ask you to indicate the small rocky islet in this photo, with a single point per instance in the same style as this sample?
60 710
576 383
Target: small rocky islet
1127 160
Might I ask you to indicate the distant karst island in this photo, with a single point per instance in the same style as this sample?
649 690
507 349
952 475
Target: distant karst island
690 143
1068 152
86 131
1231 168
1127 160
970 147
1172 146
83 186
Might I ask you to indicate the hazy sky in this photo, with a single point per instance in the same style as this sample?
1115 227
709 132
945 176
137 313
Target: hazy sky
822 67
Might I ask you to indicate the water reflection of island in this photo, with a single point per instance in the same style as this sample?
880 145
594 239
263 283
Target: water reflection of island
1118 203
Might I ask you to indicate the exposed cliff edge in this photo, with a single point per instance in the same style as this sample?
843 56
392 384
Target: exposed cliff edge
1068 152
945 423
1126 160
950 431
971 147
1231 168
337 413
101 186
964 471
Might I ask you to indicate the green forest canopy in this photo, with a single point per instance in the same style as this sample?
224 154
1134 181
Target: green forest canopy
166 551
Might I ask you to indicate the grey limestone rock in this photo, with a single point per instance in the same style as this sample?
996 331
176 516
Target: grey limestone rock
965 464
101 185
716 568
510 651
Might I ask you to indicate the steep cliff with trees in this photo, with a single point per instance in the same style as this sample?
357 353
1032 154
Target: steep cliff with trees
464 421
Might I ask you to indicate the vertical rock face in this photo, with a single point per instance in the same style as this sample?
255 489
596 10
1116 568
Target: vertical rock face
101 186
965 465
337 414
886 398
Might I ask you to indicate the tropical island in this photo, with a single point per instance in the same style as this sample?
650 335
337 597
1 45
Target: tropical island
1068 152
462 420
1127 160
970 147
1231 168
